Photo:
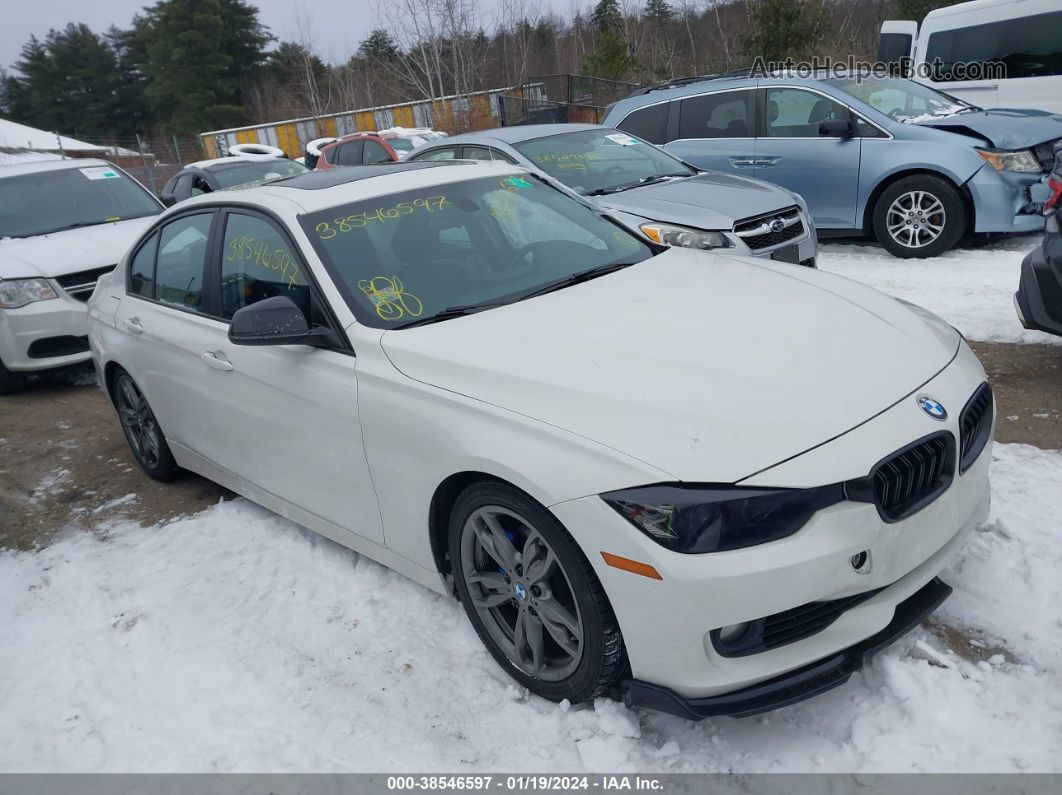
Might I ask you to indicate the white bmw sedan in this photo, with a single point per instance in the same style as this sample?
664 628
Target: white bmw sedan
711 483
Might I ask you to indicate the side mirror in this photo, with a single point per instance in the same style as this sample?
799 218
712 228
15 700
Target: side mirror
275 321
836 128
168 199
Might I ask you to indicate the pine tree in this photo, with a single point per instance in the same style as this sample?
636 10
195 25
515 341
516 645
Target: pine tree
606 16
784 29
658 12
610 59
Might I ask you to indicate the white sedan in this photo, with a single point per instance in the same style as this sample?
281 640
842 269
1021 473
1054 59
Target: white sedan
713 483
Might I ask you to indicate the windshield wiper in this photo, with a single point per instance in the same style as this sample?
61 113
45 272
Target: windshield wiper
576 278
635 184
76 225
450 312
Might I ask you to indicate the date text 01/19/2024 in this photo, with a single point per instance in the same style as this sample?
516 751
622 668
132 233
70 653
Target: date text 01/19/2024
526 782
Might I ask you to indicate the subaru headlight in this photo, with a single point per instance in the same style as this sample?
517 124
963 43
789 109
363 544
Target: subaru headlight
695 519
1021 160
19 292
683 236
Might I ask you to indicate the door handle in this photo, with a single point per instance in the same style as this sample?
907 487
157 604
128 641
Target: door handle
742 161
133 324
213 361
767 161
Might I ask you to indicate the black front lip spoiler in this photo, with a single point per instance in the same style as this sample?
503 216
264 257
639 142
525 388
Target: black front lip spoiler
818 677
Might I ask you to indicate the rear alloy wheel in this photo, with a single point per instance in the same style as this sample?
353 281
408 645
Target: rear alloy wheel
532 596
142 430
919 216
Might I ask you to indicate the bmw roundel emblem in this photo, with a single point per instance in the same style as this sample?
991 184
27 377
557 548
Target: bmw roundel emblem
777 225
931 407
521 591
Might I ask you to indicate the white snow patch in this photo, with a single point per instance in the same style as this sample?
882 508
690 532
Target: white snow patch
128 499
233 640
52 483
971 288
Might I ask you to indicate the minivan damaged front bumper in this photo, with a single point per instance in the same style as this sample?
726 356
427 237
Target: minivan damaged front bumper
1006 201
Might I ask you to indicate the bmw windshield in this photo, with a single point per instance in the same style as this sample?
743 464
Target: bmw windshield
439 252
60 199
902 99
245 172
601 161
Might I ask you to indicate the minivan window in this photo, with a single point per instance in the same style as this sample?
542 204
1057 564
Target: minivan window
407 256
601 159
796 113
900 98
648 123
726 114
179 268
1027 46
55 200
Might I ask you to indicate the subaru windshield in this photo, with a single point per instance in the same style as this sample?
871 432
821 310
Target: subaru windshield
902 99
443 251
601 161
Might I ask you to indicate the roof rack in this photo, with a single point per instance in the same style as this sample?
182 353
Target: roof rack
682 81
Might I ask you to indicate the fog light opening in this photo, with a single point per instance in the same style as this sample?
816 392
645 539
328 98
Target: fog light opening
733 632
861 562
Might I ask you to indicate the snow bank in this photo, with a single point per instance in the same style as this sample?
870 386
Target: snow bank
971 288
233 640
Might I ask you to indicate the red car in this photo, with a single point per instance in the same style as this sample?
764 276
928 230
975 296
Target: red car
367 148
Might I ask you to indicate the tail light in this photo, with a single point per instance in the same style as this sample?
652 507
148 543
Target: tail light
1055 186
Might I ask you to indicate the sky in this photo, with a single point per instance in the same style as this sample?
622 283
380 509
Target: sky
336 26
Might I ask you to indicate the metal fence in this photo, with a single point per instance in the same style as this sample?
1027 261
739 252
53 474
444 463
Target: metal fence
562 98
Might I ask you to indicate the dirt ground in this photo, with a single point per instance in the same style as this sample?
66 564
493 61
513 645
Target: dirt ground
65 465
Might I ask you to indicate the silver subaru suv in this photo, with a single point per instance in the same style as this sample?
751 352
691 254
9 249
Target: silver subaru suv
652 192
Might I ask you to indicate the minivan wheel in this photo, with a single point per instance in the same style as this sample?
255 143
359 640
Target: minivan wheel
919 216
142 430
532 596
9 381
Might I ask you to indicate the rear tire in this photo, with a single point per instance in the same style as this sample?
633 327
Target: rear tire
142 431
919 216
549 625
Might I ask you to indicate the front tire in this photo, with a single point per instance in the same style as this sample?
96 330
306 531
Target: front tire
919 216
532 596
142 431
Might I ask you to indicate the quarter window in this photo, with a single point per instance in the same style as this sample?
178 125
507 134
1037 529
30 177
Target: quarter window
794 113
648 123
727 114
182 252
142 269
257 263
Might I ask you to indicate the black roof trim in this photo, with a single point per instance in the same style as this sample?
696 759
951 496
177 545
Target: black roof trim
332 177
684 81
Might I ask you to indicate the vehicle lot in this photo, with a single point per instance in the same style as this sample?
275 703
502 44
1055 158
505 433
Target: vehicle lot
157 630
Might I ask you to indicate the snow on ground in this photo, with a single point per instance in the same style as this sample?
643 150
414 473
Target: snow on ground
971 288
233 640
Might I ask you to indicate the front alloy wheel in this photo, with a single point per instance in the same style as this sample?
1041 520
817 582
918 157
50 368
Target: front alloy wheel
532 596
919 216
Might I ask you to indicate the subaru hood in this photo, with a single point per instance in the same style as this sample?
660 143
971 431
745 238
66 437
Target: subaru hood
69 251
709 367
1003 128
707 201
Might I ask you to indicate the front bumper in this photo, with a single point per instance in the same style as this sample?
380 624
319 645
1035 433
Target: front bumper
1038 300
667 623
1005 201
803 683
44 335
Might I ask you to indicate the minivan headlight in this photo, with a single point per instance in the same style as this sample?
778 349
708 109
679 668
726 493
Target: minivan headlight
683 236
695 519
19 292
1021 160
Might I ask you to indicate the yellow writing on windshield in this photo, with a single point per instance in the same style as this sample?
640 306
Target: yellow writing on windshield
429 204
389 297
249 249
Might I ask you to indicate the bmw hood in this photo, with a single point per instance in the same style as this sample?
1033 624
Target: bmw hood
706 366
706 201
69 251
1003 128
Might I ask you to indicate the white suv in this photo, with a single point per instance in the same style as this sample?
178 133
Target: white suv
63 224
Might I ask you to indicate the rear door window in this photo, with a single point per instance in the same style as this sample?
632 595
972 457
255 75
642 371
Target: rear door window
445 153
349 154
182 254
648 123
725 114
375 153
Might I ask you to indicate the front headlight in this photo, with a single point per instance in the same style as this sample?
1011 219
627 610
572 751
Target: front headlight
693 519
1022 160
683 236
19 292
